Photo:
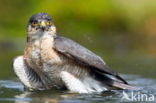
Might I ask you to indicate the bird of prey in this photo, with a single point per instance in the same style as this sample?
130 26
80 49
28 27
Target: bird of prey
51 61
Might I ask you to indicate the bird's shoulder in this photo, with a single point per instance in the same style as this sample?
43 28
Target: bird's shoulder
82 55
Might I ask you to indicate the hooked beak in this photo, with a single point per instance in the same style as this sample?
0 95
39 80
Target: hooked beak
43 25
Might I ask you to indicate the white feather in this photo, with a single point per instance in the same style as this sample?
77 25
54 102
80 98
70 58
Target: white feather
72 83
87 85
20 70
94 85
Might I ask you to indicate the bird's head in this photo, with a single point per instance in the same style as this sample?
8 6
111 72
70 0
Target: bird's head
40 24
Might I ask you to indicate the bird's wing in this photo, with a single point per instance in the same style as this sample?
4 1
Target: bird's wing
26 75
81 55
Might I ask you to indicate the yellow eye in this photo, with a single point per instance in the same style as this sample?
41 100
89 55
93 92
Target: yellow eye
49 23
34 23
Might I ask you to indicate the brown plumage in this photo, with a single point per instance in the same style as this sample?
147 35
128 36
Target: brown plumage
58 62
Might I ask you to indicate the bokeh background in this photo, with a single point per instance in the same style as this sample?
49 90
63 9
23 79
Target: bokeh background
123 32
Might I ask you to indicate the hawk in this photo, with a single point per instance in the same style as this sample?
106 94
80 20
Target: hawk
51 61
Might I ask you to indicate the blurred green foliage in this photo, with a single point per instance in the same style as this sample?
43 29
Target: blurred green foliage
121 31
77 17
118 24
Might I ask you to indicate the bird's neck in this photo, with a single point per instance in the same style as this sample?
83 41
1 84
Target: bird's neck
39 36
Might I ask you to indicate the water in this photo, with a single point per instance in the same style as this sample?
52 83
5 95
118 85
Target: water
136 67
12 91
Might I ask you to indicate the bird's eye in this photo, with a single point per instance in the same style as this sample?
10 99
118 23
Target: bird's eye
49 23
34 23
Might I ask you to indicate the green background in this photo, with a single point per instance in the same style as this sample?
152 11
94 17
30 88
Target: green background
123 32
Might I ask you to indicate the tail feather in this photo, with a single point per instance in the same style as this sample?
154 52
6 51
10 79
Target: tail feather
124 86
120 83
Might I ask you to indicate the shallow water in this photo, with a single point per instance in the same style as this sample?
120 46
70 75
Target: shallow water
12 91
136 67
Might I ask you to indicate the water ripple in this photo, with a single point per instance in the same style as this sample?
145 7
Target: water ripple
13 91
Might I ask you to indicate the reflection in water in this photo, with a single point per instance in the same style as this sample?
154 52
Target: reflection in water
36 98
13 92
43 97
